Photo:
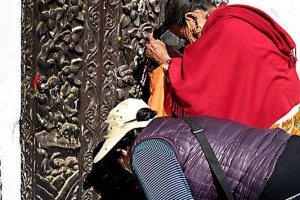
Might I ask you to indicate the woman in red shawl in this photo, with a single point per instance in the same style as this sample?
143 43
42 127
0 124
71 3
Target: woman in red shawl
239 64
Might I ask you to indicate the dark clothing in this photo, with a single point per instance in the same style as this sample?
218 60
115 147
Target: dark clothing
110 180
247 155
285 180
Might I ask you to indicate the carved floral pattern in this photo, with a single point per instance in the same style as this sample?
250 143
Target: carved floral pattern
138 19
79 59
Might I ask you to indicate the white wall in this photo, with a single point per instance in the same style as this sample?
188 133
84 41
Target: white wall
286 13
10 104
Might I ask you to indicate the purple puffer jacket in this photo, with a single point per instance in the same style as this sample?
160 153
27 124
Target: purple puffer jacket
247 155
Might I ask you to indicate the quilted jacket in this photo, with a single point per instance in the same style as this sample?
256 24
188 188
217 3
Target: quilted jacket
247 155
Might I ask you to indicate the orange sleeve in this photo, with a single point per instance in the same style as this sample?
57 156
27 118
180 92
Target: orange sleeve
160 98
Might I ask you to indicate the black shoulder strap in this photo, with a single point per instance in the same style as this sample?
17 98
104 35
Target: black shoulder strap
214 164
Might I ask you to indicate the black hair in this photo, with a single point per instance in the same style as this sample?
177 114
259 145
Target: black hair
110 180
144 114
127 140
176 9
107 176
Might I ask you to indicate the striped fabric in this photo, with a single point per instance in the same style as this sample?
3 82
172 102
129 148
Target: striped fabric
155 164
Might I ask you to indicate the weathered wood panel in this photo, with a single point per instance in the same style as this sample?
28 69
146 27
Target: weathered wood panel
79 59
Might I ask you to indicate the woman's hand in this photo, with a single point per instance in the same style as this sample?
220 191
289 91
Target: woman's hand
125 159
156 50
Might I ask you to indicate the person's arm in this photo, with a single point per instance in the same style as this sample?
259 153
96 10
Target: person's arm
158 171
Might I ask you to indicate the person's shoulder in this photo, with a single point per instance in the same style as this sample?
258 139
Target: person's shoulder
231 16
164 120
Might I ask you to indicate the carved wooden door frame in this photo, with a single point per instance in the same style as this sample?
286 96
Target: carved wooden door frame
79 59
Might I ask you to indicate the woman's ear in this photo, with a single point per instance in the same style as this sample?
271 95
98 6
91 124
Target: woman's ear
191 19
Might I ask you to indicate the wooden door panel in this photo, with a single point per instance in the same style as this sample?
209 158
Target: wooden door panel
79 59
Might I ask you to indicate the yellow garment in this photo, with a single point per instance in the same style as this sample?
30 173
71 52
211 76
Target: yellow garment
291 125
160 98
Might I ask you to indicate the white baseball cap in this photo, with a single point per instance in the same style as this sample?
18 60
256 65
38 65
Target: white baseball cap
121 120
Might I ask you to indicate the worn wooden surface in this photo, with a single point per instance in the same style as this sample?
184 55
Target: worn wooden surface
79 59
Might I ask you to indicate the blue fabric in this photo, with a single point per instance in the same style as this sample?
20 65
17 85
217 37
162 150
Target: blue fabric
155 165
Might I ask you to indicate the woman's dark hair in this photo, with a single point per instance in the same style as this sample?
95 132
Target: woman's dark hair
144 114
110 180
127 140
108 177
176 9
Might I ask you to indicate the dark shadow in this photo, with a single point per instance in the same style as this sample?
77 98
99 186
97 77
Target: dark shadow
113 182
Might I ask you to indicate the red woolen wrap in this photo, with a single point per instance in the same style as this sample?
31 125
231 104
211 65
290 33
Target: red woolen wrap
238 69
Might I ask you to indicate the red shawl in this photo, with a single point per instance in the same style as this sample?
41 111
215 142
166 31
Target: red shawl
241 68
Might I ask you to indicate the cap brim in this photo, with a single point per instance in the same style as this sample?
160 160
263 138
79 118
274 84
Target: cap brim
110 142
107 146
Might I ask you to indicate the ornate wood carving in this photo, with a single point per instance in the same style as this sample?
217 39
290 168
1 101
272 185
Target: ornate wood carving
26 125
79 59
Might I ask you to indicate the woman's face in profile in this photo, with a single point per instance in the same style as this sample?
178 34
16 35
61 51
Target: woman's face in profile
179 32
192 29
184 33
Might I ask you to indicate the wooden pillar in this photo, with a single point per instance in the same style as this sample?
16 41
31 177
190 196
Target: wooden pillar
79 59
